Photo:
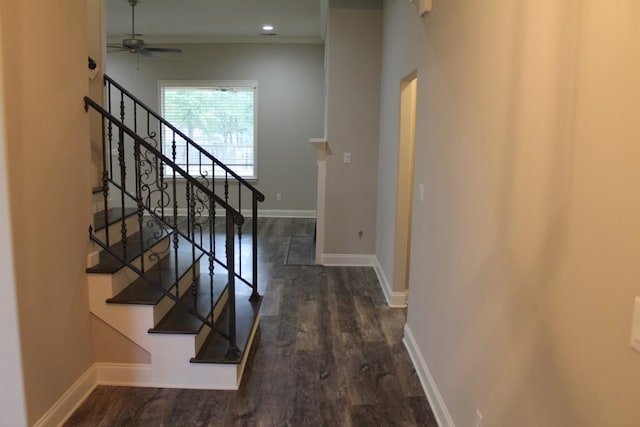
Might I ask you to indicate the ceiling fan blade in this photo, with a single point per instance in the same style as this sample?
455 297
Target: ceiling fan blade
163 49
146 52
115 46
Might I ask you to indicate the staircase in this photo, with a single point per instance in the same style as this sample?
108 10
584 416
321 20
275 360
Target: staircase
174 262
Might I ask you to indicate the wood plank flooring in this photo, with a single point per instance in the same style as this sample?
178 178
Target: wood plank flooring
328 353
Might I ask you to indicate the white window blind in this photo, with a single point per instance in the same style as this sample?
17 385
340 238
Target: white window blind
218 116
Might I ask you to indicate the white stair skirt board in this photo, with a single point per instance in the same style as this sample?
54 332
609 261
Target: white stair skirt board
440 410
348 260
394 299
93 259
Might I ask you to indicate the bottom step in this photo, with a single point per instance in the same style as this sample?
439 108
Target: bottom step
215 348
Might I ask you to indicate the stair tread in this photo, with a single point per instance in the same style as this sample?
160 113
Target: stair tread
109 264
214 350
114 215
179 321
96 190
163 273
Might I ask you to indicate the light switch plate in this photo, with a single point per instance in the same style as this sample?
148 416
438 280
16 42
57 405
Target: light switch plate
347 157
635 326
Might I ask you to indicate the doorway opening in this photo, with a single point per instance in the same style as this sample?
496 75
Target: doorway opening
404 190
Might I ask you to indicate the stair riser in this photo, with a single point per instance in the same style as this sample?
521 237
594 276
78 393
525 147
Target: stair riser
125 276
184 285
169 351
115 230
201 337
169 367
130 320
98 202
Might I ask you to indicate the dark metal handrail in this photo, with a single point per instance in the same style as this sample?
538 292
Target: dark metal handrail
255 191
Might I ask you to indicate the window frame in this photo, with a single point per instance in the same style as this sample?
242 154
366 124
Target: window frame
219 84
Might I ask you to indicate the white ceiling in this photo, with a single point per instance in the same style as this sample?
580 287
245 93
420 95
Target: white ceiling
201 21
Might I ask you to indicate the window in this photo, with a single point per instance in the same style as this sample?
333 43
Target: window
220 116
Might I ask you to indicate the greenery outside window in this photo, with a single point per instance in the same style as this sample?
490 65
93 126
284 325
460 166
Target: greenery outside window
220 116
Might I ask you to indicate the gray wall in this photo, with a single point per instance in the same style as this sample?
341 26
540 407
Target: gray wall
353 102
290 104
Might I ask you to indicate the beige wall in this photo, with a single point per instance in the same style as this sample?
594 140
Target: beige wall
45 77
110 346
353 102
12 398
524 253
96 46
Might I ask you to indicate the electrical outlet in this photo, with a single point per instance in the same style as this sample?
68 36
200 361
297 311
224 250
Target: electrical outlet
478 418
279 196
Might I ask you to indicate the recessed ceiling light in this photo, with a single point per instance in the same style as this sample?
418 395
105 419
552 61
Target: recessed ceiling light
267 27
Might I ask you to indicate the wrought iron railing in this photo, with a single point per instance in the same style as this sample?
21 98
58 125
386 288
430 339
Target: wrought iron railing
218 177
175 212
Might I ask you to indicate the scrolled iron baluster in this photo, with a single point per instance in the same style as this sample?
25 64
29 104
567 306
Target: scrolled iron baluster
135 118
175 199
139 164
105 183
212 252
161 168
233 352
240 232
110 135
122 107
226 187
213 225
191 197
175 234
123 177
255 296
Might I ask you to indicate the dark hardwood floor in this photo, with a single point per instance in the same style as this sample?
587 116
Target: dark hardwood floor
329 352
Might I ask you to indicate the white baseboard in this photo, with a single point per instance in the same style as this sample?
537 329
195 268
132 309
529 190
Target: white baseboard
394 299
440 410
113 374
264 213
282 213
348 260
70 400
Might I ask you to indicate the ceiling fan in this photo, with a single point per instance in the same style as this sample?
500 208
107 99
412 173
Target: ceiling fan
136 45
